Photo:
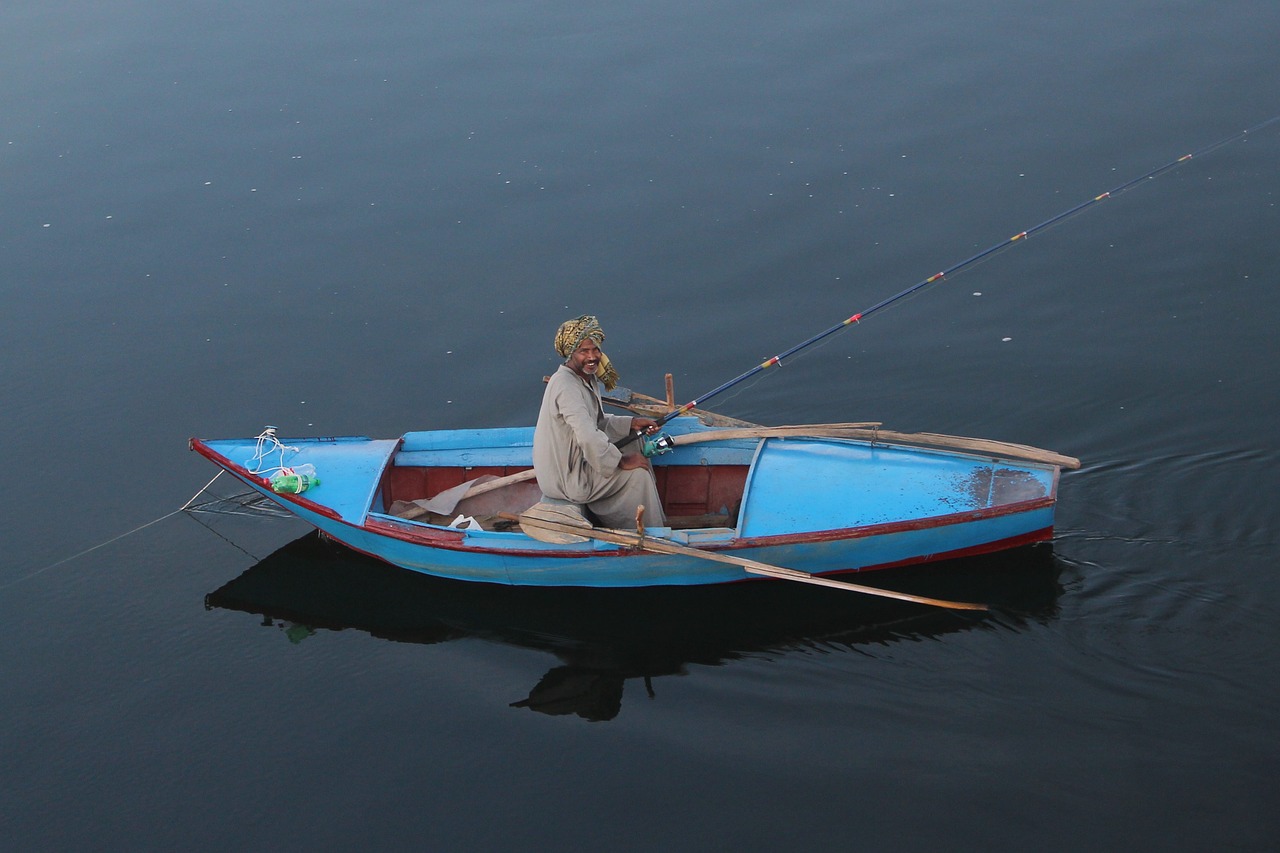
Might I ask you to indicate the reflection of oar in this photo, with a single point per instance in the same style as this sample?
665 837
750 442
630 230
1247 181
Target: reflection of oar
547 520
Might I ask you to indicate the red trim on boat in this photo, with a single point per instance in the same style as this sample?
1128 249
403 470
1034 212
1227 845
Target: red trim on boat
410 531
1044 534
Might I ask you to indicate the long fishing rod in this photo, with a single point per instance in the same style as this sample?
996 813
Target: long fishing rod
955 268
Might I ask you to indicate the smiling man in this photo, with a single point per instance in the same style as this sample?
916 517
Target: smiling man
574 456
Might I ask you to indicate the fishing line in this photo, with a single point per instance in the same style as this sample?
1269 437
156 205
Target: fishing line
954 269
114 538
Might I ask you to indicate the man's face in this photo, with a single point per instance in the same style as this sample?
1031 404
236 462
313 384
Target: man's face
585 359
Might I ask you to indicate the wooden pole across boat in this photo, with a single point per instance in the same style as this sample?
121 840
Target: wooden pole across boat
565 527
871 431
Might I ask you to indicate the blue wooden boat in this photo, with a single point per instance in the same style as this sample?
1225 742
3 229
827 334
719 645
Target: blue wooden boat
823 500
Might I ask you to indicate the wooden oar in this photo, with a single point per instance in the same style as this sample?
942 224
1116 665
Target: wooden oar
978 445
652 407
478 489
984 446
491 485
538 521
797 431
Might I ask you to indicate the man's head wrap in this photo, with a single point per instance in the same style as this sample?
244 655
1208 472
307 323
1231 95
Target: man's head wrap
570 336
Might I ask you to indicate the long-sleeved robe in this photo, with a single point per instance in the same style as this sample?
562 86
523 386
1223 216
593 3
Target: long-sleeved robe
575 459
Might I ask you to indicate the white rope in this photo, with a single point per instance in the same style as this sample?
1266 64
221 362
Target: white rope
267 444
202 491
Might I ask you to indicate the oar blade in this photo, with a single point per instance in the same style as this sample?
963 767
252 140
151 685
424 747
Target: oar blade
555 524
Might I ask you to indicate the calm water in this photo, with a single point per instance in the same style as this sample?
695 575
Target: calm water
341 219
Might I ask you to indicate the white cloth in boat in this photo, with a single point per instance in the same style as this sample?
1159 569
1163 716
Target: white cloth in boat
447 501
575 459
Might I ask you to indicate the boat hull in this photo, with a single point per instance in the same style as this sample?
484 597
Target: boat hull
823 507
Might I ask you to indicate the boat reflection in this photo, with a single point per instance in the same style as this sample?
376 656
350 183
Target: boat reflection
603 638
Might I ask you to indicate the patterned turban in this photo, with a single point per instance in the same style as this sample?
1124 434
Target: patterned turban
570 336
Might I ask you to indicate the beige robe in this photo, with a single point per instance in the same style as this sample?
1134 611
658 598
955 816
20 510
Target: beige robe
576 462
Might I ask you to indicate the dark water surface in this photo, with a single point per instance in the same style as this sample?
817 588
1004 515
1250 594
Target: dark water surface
337 219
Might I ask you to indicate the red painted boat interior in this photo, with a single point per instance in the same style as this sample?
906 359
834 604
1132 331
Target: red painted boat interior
686 490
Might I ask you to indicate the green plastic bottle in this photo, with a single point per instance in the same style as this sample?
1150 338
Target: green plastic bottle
293 484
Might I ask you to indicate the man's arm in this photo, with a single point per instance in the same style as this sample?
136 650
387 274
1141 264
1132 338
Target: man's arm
577 406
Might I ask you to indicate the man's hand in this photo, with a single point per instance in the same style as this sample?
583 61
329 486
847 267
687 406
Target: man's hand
643 425
632 460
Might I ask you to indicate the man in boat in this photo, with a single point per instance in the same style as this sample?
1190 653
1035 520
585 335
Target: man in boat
574 455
